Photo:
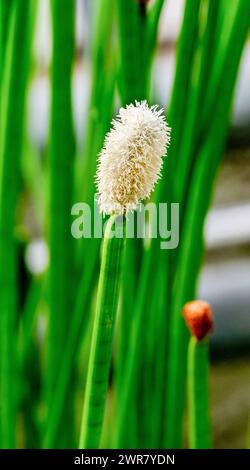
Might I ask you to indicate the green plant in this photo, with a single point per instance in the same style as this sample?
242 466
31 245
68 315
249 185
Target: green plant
12 109
52 326
61 161
101 344
198 317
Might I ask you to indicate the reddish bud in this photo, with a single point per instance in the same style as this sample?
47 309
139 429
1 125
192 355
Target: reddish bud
199 318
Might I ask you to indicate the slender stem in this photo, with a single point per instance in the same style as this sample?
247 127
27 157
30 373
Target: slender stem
153 21
77 332
101 345
102 92
201 71
5 19
12 112
186 51
33 173
132 38
127 307
29 364
198 403
231 19
61 159
134 351
28 317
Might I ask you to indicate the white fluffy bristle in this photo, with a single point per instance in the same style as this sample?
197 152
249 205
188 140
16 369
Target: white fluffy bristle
131 160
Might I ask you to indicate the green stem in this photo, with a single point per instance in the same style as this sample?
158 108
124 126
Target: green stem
77 332
61 159
101 345
33 174
127 398
126 312
132 39
199 75
102 92
5 19
227 40
12 112
153 21
198 402
186 51
29 316
152 360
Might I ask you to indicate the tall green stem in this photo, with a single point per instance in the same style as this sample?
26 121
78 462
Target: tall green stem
131 31
101 99
101 345
200 73
61 159
198 403
5 19
135 344
12 112
77 329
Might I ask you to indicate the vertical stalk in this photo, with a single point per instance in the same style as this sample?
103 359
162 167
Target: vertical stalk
135 349
153 21
28 318
12 112
102 91
198 403
131 29
200 74
101 345
5 19
76 332
61 161
230 30
185 56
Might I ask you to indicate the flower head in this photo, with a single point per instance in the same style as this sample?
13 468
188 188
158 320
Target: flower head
131 160
199 318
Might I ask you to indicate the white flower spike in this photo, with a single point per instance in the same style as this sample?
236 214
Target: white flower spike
131 159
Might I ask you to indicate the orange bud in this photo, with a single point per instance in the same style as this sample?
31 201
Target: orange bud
199 318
